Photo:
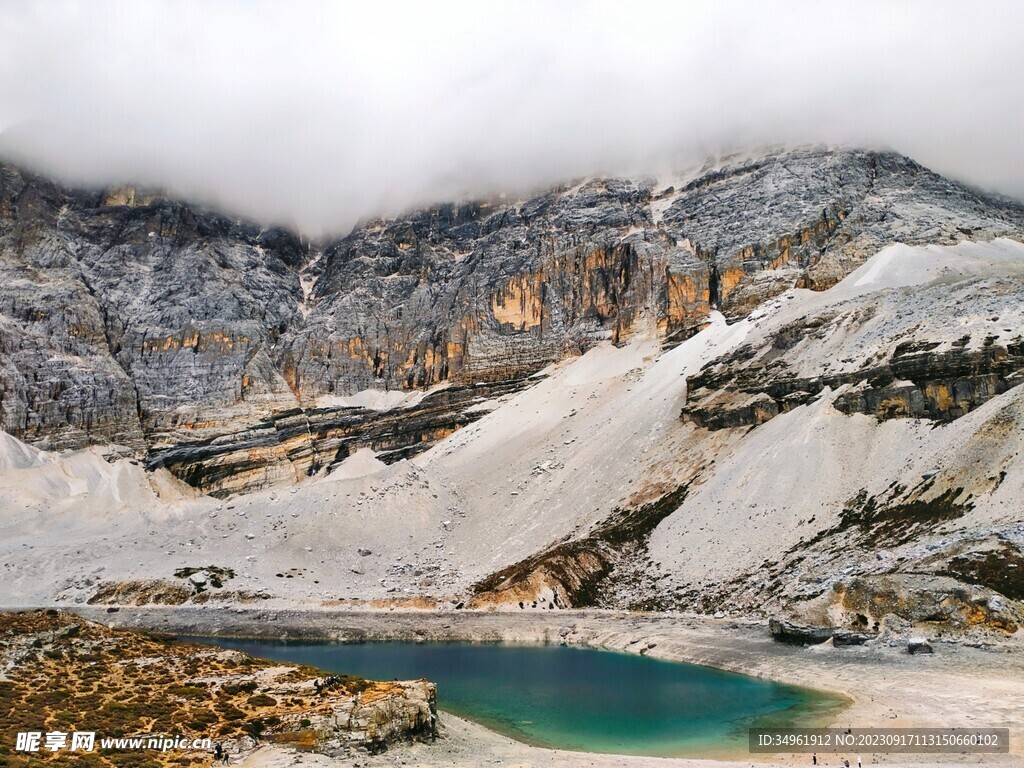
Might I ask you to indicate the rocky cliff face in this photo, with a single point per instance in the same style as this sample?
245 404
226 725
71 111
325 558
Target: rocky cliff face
849 458
219 349
917 381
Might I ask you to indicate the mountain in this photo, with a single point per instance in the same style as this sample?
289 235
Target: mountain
220 349
779 382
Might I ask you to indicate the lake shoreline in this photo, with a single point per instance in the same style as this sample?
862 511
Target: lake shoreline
886 687
572 697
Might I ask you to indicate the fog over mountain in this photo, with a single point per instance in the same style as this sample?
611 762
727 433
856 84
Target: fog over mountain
317 114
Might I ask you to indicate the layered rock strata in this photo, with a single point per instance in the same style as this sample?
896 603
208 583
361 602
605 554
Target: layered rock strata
915 382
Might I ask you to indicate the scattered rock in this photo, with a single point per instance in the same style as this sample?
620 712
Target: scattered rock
919 645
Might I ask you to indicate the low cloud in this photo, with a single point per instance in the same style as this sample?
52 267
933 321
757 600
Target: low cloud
318 114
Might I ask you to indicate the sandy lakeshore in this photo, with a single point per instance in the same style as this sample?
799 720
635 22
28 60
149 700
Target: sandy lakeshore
957 686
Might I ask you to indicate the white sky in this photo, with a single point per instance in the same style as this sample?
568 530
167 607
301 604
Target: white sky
316 114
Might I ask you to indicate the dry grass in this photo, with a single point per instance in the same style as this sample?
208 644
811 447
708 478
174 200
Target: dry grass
67 674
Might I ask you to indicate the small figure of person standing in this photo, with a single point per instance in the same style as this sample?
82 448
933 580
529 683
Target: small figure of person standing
814 759
858 761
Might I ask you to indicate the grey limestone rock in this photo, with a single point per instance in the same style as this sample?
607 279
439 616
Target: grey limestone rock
217 347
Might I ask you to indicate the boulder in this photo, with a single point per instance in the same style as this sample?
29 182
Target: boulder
791 632
919 645
786 631
850 637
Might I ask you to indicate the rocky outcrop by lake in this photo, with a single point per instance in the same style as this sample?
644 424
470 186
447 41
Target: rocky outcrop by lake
63 673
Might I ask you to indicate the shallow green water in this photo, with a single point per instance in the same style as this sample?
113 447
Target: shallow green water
574 698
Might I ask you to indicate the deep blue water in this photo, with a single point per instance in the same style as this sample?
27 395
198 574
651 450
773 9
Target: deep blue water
573 698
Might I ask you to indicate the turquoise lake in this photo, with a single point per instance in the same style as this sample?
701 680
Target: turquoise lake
574 698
